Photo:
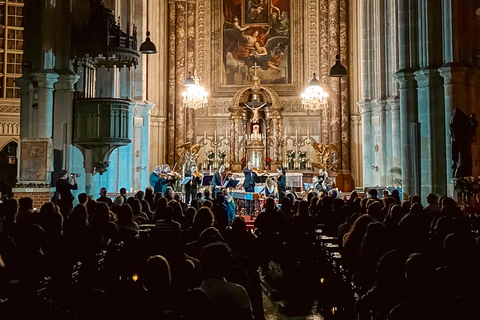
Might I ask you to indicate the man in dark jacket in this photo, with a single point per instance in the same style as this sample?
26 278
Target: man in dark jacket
65 197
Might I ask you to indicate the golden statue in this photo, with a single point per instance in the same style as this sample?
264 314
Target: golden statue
323 153
191 152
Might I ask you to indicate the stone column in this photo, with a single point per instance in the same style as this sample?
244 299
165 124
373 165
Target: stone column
63 138
408 57
142 111
432 120
394 103
356 147
158 152
368 161
408 115
45 80
455 91
382 162
191 19
334 83
172 95
180 75
276 138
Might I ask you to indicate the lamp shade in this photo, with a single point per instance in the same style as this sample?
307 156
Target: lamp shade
148 47
338 70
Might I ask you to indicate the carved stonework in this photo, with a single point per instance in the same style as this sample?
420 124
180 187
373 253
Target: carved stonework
313 36
9 128
9 109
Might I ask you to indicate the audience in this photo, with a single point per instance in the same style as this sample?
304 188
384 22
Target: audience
152 253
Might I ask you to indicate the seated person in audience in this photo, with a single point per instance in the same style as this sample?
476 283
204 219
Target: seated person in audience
104 198
229 300
82 198
104 231
127 228
25 211
123 193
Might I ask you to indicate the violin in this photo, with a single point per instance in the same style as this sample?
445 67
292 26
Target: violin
259 171
197 174
227 174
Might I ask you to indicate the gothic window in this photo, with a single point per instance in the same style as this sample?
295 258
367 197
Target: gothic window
11 47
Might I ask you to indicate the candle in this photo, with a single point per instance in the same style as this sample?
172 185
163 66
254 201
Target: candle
296 134
285 135
308 133
205 136
215 136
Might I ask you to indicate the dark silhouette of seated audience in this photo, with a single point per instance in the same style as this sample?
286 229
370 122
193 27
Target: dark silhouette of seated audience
129 265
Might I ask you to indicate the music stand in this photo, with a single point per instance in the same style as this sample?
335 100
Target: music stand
231 184
206 180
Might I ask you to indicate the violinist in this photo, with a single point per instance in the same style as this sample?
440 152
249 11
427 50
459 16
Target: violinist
249 185
169 176
322 180
191 186
218 180
281 179
157 180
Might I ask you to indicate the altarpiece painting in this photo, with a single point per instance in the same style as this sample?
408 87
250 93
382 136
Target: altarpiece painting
256 34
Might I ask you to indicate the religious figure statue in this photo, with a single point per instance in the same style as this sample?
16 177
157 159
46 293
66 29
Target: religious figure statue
191 153
463 130
323 154
256 112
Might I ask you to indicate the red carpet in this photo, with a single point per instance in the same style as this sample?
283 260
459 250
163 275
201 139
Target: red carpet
249 221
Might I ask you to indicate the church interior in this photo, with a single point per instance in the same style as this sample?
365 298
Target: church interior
254 102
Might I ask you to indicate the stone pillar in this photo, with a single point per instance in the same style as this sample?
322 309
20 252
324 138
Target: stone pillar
408 115
334 83
276 139
382 137
142 111
356 150
190 113
63 114
158 152
45 80
180 75
432 131
394 103
172 97
408 57
233 139
455 91
368 160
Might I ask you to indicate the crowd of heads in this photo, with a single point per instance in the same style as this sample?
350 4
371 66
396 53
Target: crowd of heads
393 250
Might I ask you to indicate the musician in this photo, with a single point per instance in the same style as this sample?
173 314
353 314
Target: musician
169 177
269 188
281 182
249 185
191 186
156 180
322 179
218 180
